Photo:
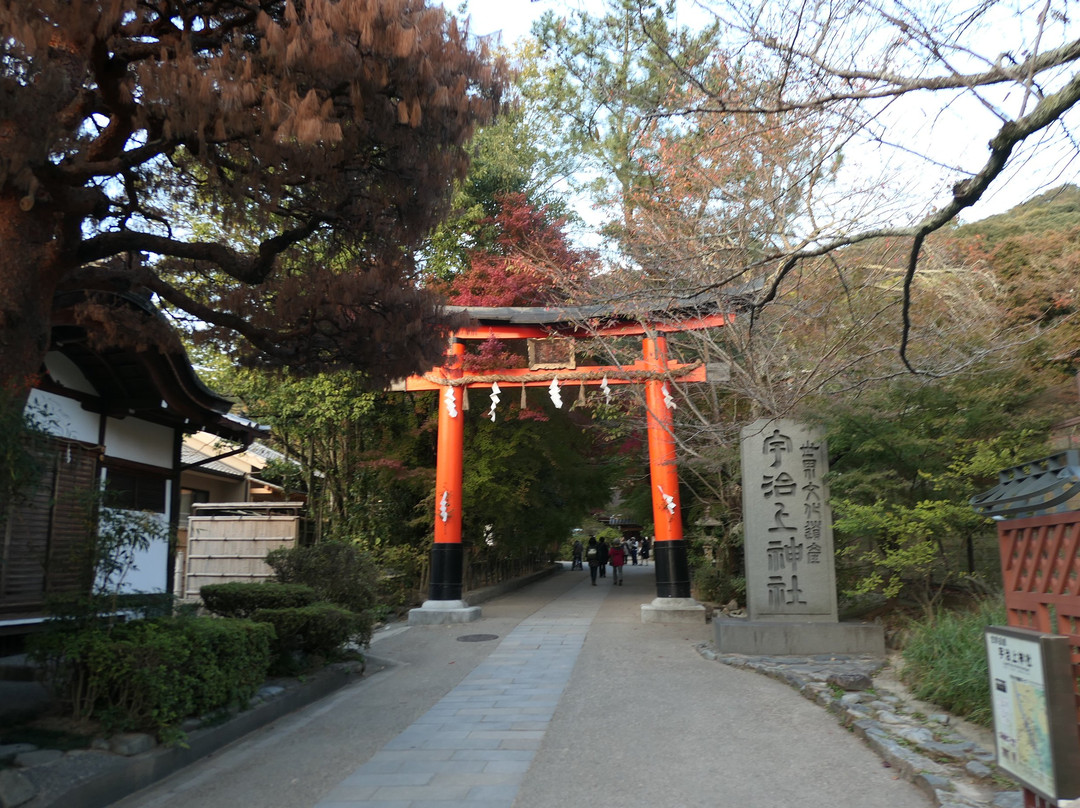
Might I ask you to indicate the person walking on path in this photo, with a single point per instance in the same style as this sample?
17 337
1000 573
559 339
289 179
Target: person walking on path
602 548
592 555
645 551
617 557
576 565
632 548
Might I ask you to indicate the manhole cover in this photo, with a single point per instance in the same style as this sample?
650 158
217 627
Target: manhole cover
477 637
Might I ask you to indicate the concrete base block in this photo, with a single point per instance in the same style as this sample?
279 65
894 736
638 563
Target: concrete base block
672 610
767 638
442 612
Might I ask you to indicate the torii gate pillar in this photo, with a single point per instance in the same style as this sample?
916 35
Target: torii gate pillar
444 603
673 603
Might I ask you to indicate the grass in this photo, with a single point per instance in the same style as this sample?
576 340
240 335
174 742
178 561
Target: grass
945 660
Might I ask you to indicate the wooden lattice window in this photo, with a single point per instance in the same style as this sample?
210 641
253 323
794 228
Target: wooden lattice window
44 536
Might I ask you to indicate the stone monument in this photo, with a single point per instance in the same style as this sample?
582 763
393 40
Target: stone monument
788 542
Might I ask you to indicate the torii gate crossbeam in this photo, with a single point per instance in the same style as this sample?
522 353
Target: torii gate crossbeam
673 602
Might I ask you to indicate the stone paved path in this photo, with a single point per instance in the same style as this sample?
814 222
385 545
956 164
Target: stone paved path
573 702
472 749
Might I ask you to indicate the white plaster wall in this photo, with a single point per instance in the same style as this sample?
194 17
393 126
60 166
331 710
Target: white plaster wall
139 442
63 417
148 570
220 489
67 373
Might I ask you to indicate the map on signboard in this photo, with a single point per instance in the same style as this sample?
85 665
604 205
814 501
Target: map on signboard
1032 728
1021 715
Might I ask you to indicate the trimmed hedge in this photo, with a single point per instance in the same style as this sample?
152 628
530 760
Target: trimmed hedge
230 660
152 674
319 629
244 599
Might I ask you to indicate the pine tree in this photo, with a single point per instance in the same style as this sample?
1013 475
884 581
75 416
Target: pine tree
339 124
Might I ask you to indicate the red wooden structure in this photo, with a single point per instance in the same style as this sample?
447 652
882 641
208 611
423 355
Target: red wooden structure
1040 563
1039 543
654 370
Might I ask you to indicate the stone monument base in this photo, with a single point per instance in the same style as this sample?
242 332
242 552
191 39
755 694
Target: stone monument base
768 638
673 610
441 612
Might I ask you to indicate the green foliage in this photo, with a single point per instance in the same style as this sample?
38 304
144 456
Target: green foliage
602 77
339 572
509 158
608 534
717 585
912 545
905 459
239 599
400 567
318 630
528 483
20 435
1055 210
945 660
151 674
364 459
228 663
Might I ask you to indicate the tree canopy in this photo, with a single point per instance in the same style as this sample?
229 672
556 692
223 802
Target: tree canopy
874 70
331 130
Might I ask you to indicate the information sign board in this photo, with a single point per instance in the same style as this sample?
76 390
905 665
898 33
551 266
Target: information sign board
1034 714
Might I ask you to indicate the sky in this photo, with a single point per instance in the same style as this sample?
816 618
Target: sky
511 18
958 134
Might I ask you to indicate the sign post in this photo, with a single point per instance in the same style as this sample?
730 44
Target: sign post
1033 697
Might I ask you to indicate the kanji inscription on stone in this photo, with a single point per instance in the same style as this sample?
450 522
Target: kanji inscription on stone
790 570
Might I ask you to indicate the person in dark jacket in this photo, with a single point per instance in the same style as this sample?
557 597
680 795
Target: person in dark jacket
592 556
602 546
577 553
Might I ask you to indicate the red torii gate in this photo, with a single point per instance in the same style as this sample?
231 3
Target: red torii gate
445 604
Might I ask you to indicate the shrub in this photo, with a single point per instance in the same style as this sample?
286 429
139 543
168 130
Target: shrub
244 599
319 629
339 572
400 567
945 660
151 674
230 661
716 585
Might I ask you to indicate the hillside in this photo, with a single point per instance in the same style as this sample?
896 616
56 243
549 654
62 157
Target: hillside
1055 210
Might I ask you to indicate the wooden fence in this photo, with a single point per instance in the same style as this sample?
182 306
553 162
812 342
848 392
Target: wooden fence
1040 564
229 543
483 568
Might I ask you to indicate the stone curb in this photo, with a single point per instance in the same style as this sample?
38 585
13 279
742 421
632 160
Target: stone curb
951 771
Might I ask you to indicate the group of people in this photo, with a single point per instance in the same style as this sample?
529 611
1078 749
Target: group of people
598 555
